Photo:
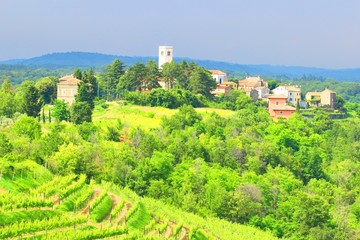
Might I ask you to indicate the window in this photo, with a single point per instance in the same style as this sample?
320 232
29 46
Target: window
72 92
162 53
63 91
290 93
169 53
281 112
276 103
290 99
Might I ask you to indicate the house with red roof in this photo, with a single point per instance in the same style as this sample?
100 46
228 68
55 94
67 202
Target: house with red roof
254 83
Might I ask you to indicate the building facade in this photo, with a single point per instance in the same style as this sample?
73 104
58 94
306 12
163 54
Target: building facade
324 98
218 76
293 93
67 88
277 106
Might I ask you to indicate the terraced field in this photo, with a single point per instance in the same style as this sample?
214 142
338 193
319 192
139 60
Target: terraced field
66 207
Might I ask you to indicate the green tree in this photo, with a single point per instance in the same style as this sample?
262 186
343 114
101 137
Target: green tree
170 72
27 126
112 77
6 86
133 79
78 74
201 82
159 166
60 111
5 145
47 89
87 89
245 203
80 112
339 102
152 76
32 101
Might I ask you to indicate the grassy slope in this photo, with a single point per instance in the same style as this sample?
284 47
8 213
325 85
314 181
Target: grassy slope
145 117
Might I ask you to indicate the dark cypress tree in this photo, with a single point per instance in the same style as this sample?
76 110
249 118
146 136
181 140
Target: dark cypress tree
32 101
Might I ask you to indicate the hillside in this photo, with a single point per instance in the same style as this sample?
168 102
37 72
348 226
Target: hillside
85 59
37 205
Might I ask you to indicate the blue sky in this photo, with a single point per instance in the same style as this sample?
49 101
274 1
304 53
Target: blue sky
317 33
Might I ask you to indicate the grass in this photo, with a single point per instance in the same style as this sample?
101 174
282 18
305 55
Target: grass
133 116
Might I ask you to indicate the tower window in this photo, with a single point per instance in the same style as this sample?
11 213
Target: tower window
162 53
169 53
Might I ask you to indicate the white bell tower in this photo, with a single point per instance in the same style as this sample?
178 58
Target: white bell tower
165 55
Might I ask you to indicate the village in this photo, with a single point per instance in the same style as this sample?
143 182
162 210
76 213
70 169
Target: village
282 101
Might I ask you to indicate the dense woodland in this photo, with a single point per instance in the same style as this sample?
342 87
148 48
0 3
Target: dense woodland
297 178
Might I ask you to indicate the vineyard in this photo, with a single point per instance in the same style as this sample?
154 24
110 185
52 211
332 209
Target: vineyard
68 207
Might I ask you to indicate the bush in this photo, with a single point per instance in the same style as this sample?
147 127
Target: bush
159 97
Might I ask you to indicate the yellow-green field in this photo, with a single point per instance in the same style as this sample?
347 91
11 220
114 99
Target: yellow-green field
142 116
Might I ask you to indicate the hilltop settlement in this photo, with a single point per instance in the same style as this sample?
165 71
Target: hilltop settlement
282 101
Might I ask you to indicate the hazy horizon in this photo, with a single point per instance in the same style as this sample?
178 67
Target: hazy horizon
319 34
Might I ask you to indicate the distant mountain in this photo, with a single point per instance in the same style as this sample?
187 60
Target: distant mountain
84 59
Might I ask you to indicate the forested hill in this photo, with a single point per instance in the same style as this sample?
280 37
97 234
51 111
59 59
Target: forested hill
84 59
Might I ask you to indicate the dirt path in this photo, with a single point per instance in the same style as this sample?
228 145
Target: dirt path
3 191
122 214
184 233
169 231
86 209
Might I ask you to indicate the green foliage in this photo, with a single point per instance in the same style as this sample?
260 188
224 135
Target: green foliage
186 116
162 98
104 207
110 79
31 102
31 215
201 82
60 111
5 145
27 126
47 89
80 112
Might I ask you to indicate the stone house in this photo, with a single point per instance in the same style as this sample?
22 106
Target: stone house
67 88
324 98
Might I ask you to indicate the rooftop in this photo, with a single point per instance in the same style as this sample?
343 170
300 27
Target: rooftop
284 108
291 88
217 72
276 96
69 80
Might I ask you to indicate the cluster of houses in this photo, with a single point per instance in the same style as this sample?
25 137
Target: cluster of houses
281 100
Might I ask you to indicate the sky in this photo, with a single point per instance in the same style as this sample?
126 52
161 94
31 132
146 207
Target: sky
314 33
